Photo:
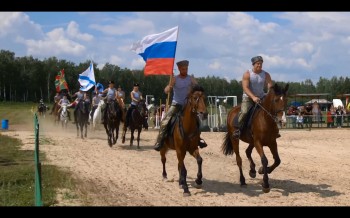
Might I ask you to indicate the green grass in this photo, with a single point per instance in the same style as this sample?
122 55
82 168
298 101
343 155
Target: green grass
17 177
17 113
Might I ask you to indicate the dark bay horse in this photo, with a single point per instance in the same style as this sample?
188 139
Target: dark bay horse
42 108
262 132
137 121
112 121
82 114
184 136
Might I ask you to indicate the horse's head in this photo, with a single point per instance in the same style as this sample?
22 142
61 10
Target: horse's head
141 107
112 109
64 108
276 100
196 100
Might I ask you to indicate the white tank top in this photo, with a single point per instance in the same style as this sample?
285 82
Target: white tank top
256 83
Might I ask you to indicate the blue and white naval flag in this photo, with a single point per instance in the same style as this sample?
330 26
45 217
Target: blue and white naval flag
87 78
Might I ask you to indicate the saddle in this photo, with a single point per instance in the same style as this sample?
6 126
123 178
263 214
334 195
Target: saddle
248 120
171 125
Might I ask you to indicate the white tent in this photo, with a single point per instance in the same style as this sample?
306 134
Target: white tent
337 102
319 101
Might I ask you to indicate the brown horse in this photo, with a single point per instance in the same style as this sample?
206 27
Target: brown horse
183 136
261 131
137 121
55 113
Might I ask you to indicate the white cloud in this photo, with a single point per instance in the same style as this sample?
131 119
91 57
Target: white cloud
54 43
294 45
74 33
124 26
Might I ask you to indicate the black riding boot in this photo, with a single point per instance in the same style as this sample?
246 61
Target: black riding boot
160 139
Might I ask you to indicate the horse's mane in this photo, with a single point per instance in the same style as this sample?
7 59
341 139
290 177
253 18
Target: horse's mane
197 87
279 90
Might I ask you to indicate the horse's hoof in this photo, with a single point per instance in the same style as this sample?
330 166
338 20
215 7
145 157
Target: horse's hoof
198 186
244 185
123 140
266 190
186 194
252 174
260 171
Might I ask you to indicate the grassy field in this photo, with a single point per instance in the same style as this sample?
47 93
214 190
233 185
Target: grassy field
17 166
17 177
17 113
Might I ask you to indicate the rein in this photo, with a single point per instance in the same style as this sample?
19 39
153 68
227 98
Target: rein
274 117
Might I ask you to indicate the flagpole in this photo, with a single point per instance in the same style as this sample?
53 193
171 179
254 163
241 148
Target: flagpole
172 75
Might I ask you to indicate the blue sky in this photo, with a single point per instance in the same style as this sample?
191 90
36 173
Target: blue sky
295 45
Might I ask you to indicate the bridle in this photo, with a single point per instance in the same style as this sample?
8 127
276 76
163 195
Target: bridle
275 112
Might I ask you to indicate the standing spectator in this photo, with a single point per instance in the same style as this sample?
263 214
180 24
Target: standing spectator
330 121
339 114
300 121
316 111
308 115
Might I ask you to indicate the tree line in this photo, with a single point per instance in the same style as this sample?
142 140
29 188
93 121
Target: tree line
28 79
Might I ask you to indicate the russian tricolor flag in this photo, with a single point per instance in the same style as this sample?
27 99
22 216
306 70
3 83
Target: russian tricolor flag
158 51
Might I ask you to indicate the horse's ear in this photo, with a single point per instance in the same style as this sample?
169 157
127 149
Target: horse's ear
286 88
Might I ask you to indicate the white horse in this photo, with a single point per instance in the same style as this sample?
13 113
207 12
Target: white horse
96 120
64 115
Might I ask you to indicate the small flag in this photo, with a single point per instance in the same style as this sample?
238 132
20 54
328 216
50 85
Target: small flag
100 87
87 78
158 51
60 81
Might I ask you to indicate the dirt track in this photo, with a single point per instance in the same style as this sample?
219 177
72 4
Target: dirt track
315 169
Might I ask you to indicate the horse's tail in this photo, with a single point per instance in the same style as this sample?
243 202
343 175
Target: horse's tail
227 147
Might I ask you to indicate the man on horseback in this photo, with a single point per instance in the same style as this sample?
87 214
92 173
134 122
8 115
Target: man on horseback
95 101
80 97
135 96
64 100
121 97
181 85
56 99
111 96
253 83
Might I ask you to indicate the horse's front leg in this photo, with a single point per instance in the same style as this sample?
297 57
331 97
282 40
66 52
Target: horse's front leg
81 130
182 172
110 136
138 136
85 130
163 159
277 160
116 133
113 136
199 159
132 137
248 152
123 134
264 163
77 125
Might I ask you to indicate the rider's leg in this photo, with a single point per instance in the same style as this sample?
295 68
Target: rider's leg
246 104
163 126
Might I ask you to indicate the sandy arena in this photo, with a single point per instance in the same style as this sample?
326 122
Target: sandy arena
315 169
